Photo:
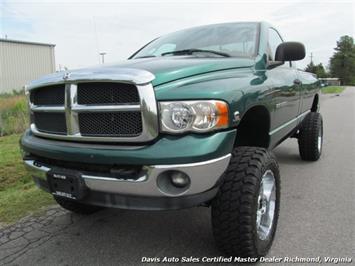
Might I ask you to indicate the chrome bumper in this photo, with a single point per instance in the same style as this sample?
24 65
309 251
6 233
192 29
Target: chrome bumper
203 176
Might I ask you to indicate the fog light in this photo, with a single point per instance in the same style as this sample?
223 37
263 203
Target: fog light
173 182
179 179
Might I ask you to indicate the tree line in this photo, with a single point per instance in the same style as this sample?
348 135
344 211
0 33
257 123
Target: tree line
341 64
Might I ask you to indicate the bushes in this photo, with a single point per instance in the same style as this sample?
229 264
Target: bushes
13 114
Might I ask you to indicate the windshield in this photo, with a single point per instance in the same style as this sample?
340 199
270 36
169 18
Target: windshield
234 39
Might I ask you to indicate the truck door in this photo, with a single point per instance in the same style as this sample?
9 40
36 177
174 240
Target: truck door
309 89
287 91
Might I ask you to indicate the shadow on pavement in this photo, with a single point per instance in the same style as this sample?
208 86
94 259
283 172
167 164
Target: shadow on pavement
117 236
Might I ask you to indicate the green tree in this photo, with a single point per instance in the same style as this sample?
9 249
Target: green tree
342 63
319 70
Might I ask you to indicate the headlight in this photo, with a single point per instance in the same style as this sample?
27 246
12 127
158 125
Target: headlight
196 116
29 111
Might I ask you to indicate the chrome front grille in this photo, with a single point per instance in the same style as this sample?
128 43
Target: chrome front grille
95 111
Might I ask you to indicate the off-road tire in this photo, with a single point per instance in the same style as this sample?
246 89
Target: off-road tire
308 138
76 207
234 209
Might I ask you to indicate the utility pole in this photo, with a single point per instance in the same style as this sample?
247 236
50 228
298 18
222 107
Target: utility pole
311 56
102 57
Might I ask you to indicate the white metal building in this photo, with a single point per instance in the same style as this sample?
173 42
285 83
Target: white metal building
331 81
21 62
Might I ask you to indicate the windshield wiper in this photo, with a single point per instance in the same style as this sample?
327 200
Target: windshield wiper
145 56
191 51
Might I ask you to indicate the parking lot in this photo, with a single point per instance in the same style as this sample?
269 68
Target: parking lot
316 218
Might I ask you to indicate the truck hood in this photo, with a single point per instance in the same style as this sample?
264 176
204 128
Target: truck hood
159 70
172 68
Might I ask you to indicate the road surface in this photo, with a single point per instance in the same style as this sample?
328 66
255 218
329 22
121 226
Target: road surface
316 218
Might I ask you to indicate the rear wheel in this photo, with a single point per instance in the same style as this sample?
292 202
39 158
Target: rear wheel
75 206
245 210
310 137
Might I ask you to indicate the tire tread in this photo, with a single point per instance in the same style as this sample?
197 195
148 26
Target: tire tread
308 137
233 214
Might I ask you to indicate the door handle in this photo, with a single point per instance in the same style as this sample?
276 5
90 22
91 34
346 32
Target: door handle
297 82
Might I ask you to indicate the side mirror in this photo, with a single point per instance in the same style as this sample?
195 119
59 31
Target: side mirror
290 51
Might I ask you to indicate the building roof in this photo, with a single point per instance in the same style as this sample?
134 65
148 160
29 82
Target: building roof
25 42
329 78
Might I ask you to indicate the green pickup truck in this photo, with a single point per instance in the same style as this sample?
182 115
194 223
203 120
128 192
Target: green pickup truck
188 120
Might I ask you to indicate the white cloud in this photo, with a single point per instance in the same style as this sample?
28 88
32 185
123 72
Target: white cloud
81 29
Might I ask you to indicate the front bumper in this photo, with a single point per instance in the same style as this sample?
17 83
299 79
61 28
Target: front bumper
203 175
192 148
143 191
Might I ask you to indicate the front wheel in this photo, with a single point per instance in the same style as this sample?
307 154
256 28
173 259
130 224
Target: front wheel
246 208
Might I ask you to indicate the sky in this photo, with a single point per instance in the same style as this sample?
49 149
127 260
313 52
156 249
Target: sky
82 29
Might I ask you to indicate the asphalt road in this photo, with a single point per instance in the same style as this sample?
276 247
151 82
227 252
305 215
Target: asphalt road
316 218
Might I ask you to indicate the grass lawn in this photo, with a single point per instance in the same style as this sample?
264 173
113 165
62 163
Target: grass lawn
18 194
332 89
13 114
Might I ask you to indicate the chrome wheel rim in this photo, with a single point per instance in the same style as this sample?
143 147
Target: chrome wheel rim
266 205
319 142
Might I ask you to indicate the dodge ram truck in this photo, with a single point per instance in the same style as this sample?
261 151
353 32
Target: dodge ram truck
188 120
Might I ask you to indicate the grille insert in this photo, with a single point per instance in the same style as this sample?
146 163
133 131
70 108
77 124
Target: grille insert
50 122
49 95
107 93
117 124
